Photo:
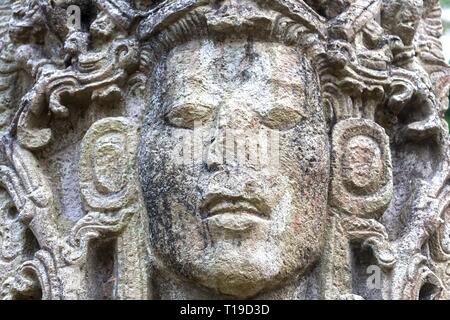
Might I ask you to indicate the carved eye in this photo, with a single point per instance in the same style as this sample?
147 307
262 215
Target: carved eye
188 115
281 118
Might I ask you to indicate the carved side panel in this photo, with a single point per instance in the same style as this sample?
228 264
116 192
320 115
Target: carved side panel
112 198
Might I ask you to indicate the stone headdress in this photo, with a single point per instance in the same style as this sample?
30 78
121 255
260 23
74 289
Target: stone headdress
120 11
384 92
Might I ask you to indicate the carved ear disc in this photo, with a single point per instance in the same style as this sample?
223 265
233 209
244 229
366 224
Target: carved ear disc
362 169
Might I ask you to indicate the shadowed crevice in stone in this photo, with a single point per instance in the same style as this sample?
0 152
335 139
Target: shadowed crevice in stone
101 266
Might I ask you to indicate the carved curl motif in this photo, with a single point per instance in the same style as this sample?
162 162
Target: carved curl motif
73 219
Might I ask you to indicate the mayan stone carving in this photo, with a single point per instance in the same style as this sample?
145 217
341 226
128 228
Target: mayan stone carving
199 149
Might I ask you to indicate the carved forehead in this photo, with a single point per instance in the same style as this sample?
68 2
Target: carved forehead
261 71
237 72
229 58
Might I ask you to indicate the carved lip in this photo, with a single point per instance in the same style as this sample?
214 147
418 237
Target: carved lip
219 204
236 222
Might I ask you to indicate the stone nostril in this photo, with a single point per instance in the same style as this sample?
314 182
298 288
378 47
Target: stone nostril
214 157
12 213
250 187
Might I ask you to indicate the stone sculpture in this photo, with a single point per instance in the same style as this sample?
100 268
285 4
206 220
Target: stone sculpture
197 149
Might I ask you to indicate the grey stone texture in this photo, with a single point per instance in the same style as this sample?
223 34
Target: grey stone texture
199 149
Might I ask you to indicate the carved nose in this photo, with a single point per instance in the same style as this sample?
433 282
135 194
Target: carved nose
215 152
229 130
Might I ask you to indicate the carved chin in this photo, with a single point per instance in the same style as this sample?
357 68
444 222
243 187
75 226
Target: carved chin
240 272
250 275
237 283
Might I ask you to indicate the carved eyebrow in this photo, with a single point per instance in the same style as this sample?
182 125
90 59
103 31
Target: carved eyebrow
193 91
187 103
197 100
186 115
190 78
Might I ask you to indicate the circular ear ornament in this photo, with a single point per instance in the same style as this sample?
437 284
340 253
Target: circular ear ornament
107 162
362 170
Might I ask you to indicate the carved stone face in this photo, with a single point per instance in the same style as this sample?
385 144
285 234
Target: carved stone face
402 18
26 23
231 225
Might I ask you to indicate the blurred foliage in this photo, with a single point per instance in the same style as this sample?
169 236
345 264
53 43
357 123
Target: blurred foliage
446 3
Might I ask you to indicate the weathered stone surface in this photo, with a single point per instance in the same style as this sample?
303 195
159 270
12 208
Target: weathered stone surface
196 149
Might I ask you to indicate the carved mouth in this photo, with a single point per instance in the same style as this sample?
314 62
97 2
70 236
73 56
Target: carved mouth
215 204
235 213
